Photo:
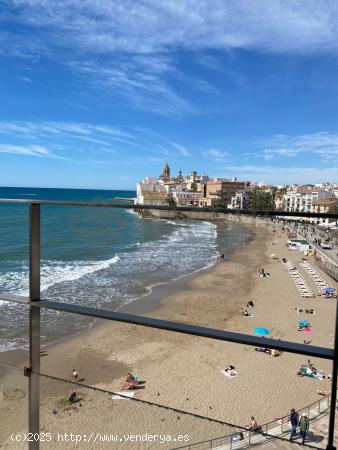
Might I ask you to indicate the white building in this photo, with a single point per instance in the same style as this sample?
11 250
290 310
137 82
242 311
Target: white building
241 200
189 198
302 200
323 206
151 191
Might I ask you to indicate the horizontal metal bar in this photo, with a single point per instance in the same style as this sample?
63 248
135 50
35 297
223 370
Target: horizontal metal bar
173 208
238 338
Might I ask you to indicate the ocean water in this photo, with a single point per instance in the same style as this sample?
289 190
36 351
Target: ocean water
96 256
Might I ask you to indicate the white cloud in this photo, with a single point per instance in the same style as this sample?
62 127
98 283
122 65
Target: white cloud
322 144
282 175
82 131
214 154
130 48
25 79
66 139
183 151
31 150
292 26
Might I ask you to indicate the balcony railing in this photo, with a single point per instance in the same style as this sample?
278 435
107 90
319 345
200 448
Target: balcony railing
35 304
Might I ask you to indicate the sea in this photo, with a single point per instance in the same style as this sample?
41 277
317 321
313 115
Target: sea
99 257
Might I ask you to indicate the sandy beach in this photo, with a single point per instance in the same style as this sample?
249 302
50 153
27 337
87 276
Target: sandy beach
183 373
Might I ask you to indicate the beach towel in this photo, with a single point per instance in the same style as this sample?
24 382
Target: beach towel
307 372
123 395
308 330
227 374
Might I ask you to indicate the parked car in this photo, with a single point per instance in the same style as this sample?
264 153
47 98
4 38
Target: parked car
326 245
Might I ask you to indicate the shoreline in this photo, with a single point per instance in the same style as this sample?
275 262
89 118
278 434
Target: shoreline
145 304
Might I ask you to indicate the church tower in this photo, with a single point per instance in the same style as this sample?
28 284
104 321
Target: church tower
165 173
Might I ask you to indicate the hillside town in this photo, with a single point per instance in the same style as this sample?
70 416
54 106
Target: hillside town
196 190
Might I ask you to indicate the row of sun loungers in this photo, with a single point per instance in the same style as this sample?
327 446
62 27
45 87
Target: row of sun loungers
315 276
302 286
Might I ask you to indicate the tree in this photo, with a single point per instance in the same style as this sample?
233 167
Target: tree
194 187
221 200
333 209
274 192
171 199
277 194
262 201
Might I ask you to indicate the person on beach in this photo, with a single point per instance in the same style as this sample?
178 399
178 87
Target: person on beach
244 312
294 420
309 364
75 376
304 425
253 424
250 304
72 398
230 370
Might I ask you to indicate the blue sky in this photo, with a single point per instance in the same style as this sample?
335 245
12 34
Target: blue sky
100 94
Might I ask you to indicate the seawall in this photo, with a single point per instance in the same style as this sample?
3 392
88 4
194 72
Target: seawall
197 215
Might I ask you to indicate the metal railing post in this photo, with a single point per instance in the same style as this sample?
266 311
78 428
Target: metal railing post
333 399
34 325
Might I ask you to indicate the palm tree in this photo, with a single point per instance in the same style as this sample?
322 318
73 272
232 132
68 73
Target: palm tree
274 192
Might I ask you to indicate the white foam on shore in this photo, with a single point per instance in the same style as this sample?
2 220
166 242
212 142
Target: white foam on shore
53 272
188 248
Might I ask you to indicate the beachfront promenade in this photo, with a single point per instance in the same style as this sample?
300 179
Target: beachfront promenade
276 434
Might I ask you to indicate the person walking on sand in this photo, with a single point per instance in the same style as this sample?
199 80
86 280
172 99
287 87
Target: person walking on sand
294 419
304 425
75 376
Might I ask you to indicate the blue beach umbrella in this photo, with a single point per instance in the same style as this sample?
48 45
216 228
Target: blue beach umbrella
261 331
303 323
329 290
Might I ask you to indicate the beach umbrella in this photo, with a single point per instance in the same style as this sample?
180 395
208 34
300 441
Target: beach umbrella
329 290
303 323
261 331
